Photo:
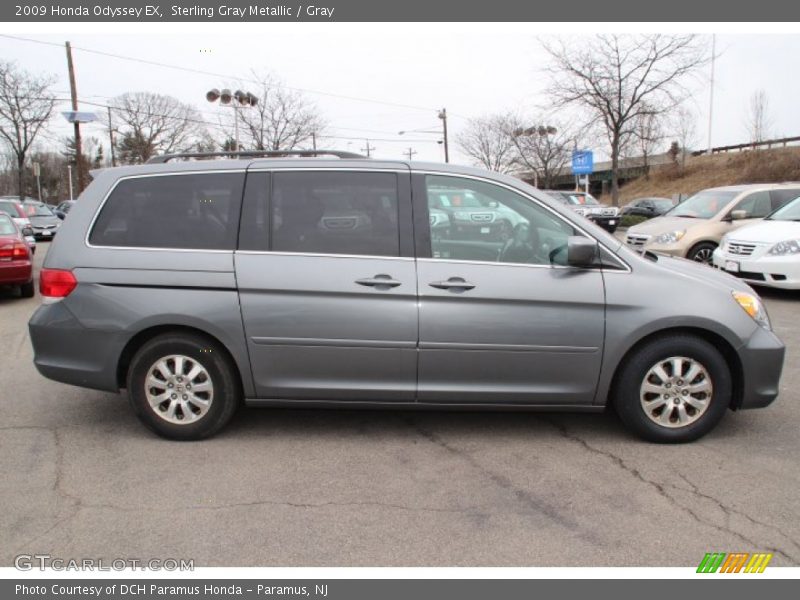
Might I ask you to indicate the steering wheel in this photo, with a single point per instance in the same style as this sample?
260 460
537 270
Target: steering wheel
522 246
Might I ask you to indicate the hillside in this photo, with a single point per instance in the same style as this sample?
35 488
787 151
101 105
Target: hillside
761 166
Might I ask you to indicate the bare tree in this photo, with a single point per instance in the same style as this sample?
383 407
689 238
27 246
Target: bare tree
647 135
617 78
282 119
758 120
26 105
545 150
488 142
685 128
149 124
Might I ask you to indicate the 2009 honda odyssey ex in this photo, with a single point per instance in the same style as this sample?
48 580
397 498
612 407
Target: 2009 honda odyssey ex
307 281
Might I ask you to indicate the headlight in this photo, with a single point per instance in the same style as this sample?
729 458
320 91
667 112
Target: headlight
669 238
784 248
753 307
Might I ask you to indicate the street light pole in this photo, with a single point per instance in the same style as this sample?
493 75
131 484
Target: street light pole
443 117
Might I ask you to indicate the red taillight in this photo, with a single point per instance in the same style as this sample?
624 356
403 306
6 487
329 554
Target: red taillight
15 251
55 283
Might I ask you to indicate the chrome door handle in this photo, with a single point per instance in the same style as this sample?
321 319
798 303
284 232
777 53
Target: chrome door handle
379 281
453 283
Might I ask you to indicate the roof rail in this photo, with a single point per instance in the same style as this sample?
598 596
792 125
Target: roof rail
254 154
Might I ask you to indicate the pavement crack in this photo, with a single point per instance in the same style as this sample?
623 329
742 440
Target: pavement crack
661 489
523 496
310 505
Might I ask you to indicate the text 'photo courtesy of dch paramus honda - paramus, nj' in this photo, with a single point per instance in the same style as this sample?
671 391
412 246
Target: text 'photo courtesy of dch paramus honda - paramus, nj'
328 280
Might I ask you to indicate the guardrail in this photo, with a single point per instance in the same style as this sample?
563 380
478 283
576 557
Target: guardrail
749 146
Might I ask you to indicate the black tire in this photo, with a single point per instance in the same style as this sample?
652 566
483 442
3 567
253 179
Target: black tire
631 377
702 252
27 290
221 372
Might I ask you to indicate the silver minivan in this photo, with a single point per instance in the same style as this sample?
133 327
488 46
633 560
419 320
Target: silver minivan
314 280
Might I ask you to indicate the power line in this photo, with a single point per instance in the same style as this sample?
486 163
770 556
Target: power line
219 75
224 129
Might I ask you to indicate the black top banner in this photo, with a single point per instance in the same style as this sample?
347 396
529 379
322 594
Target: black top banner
407 10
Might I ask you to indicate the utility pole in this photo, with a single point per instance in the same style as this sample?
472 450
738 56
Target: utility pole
368 149
711 95
74 93
111 137
443 117
410 153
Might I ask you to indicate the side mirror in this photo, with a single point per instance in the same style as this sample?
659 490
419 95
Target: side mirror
60 214
581 251
738 215
27 231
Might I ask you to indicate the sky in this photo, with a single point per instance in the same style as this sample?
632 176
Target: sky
371 81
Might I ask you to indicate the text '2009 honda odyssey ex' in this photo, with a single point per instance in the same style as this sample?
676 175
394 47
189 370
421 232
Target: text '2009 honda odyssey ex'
308 281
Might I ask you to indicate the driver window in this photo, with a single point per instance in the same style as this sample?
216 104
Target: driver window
756 205
478 221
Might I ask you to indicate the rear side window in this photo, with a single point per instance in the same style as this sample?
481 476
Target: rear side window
198 211
781 197
335 213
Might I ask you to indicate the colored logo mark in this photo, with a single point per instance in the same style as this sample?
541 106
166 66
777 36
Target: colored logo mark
734 562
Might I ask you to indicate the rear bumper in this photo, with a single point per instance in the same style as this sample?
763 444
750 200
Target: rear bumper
762 362
67 352
15 273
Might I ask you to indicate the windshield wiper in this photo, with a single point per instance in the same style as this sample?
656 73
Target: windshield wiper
686 216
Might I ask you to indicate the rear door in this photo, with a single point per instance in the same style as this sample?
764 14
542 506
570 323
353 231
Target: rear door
327 283
500 322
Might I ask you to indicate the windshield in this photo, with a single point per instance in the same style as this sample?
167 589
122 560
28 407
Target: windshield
37 210
703 205
581 199
450 199
787 212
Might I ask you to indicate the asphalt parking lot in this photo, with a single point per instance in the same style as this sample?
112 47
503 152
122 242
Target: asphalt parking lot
83 479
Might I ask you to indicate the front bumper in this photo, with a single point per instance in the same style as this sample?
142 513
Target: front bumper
44 234
668 249
772 271
608 223
762 362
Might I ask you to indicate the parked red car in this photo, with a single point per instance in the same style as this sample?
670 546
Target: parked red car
16 268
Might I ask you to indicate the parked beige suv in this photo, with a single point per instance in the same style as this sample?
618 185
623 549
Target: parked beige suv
694 228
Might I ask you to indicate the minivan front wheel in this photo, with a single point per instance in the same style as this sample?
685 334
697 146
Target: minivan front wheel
674 389
182 386
702 252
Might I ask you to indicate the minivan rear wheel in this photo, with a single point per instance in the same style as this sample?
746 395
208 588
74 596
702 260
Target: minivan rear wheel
182 386
673 389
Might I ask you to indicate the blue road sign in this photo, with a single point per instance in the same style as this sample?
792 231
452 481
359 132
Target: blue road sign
582 162
74 116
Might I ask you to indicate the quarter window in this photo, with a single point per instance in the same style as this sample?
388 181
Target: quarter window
477 221
184 211
335 213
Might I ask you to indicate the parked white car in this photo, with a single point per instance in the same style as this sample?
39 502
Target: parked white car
766 253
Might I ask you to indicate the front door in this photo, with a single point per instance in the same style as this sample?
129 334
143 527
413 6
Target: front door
503 320
327 284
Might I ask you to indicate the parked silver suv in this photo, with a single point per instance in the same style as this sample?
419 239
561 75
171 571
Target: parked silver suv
307 281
